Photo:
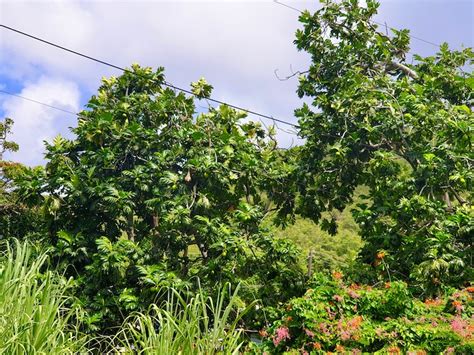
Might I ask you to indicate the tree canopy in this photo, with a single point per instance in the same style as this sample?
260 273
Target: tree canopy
404 131
147 181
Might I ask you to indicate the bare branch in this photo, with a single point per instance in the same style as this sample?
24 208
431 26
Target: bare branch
289 76
410 72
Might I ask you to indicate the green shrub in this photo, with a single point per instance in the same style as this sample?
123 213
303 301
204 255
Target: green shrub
334 316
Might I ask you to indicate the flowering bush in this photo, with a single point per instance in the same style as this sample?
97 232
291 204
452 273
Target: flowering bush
334 316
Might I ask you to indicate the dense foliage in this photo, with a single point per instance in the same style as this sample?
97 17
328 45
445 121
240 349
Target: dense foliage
38 321
145 179
404 131
154 208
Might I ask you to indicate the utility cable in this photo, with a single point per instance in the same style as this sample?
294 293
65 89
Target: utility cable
376 22
79 115
38 102
133 73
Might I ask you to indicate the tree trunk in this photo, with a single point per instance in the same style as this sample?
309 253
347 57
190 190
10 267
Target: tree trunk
131 229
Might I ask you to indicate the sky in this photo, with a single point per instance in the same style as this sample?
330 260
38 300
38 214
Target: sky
235 45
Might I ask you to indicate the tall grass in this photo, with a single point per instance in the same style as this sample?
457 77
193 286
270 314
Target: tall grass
200 325
33 316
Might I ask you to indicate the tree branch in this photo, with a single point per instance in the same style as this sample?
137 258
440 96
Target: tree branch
410 72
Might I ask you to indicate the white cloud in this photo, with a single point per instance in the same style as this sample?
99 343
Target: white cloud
228 41
34 123
235 45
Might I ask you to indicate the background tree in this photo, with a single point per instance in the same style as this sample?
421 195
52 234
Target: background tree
16 219
5 145
405 131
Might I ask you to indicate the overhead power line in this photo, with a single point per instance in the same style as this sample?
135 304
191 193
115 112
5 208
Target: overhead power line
38 102
411 36
376 22
168 84
79 115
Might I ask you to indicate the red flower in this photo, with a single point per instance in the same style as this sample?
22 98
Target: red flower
345 335
353 294
460 326
436 302
337 298
282 333
324 328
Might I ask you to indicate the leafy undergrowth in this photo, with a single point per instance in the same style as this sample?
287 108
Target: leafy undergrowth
332 316
335 317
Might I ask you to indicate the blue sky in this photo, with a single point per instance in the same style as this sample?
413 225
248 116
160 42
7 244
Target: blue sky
235 45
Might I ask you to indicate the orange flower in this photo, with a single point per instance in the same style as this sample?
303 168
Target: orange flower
470 289
458 306
387 285
381 255
337 275
339 348
263 333
355 323
436 302
456 303
289 318
394 350
317 346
